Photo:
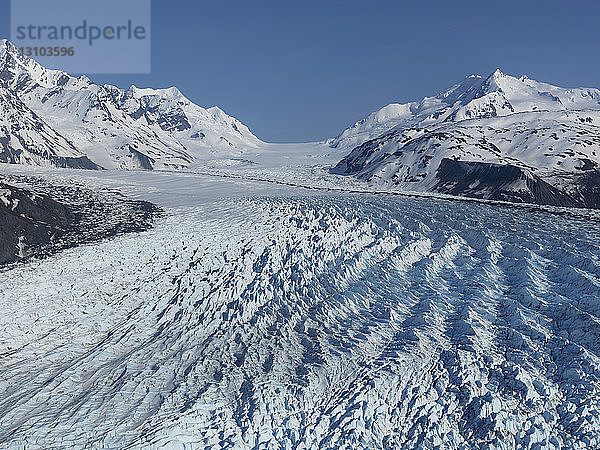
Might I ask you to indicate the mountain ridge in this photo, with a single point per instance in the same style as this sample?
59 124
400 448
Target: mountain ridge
121 128
488 93
498 120
48 117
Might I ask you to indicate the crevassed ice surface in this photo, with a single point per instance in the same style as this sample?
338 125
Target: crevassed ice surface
338 321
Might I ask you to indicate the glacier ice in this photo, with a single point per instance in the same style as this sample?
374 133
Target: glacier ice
283 318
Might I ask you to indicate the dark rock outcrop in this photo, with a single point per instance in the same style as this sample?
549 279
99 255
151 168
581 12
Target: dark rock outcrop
498 182
38 218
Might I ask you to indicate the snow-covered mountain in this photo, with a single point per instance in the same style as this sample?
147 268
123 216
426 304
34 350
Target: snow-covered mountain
546 139
27 139
114 128
474 97
548 135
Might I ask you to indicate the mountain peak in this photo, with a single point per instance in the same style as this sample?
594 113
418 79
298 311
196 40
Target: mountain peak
166 93
497 81
6 47
498 74
496 78
474 97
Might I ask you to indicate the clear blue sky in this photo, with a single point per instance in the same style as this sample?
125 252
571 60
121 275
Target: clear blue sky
304 70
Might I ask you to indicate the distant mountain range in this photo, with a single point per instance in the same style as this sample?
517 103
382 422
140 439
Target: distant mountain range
48 117
496 137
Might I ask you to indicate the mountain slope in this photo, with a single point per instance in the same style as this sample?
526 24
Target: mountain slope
124 129
548 132
474 97
38 218
408 114
27 139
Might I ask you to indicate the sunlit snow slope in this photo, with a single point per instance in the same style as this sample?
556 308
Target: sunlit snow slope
75 119
304 321
517 140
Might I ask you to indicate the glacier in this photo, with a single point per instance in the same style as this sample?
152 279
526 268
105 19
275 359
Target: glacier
258 315
374 290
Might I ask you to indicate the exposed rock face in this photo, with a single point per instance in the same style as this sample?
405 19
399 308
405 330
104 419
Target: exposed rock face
39 218
498 182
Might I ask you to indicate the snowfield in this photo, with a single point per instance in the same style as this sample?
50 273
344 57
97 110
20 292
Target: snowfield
265 316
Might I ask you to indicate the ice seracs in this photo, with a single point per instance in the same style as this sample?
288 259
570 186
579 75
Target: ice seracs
285 320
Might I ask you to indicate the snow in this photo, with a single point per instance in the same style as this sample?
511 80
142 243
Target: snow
171 93
260 314
548 131
121 129
277 305
474 97
5 197
552 132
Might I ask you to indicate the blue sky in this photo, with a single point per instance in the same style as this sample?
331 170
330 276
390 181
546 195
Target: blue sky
305 70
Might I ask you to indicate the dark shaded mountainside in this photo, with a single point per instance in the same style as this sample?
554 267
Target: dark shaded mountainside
467 175
509 183
38 218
